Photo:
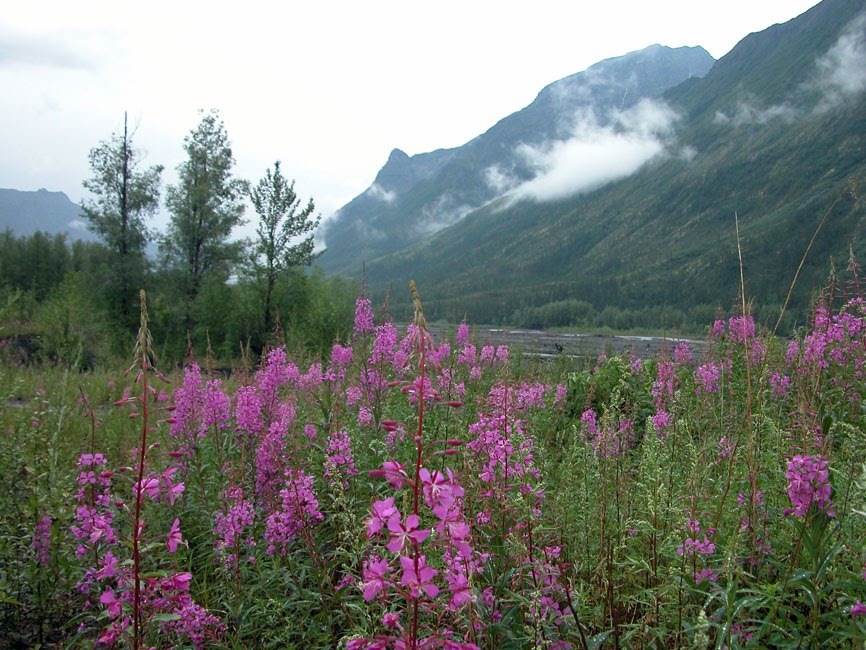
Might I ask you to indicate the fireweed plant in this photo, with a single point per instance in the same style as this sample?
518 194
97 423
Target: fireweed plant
404 492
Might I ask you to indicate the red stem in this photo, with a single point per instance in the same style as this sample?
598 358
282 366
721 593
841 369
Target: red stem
136 530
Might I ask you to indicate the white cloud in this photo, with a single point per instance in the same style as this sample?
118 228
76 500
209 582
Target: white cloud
747 113
595 155
498 180
842 70
688 153
443 212
376 191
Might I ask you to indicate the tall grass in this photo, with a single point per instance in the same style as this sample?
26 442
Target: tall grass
404 492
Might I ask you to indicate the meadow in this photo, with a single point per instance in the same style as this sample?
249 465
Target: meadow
408 493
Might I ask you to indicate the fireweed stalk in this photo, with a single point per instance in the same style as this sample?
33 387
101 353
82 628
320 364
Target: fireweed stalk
442 495
130 596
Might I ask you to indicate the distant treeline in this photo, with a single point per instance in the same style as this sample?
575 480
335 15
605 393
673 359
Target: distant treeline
56 304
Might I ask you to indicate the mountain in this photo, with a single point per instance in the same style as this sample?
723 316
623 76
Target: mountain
639 210
414 197
24 213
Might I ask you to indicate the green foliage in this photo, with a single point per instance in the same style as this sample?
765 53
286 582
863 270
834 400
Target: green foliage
36 263
124 196
206 204
284 232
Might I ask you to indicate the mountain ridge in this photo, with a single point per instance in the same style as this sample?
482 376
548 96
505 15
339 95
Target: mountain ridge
25 212
774 133
386 218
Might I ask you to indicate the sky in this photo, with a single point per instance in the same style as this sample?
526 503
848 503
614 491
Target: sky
328 87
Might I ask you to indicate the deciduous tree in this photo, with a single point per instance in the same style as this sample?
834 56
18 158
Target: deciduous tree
284 233
124 195
206 204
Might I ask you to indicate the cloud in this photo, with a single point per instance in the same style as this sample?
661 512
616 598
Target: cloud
443 212
840 74
31 50
748 113
842 70
499 181
595 155
376 191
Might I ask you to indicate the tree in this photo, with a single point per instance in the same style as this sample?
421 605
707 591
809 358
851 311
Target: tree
205 205
124 195
285 239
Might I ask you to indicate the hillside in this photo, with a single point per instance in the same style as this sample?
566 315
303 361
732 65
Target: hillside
25 213
774 134
414 197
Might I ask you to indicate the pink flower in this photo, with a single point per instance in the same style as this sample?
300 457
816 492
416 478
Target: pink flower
858 609
149 486
417 576
363 316
174 537
180 581
108 568
808 485
375 575
462 336
383 512
394 473
172 489
400 533
111 603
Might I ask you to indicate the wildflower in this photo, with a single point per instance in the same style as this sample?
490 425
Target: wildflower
462 336
363 316
417 576
300 509
707 378
112 605
741 328
394 472
779 383
174 537
808 485
375 575
682 353
380 517
339 460
857 609
402 533
661 421
108 568
42 540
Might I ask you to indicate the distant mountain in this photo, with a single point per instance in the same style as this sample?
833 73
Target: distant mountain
24 213
634 206
414 197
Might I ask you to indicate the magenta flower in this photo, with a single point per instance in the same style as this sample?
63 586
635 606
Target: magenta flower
375 575
383 512
42 540
400 533
363 316
858 609
172 489
394 473
108 568
111 603
808 485
417 576
174 537
462 336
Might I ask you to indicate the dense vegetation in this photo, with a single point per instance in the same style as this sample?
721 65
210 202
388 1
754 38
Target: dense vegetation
75 304
411 493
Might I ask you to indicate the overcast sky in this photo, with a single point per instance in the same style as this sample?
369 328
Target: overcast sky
328 87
